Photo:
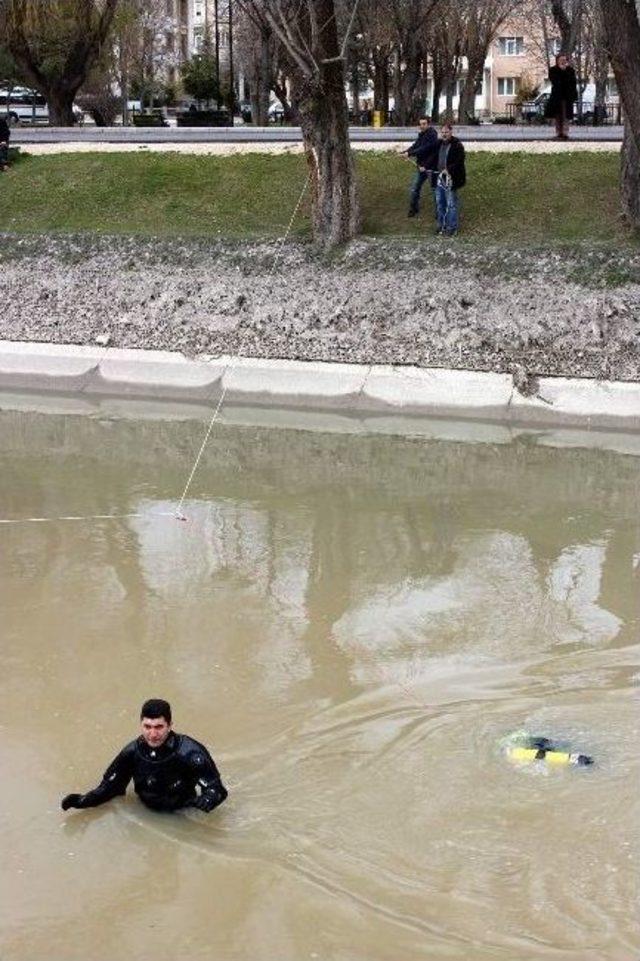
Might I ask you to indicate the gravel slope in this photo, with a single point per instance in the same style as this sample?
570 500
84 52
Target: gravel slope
440 303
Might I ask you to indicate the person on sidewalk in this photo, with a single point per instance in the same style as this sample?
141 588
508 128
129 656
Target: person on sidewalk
450 177
423 151
564 93
5 136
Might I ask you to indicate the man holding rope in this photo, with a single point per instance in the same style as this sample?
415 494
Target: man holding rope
450 176
423 151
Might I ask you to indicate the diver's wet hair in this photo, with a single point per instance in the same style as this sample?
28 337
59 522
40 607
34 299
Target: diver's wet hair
156 707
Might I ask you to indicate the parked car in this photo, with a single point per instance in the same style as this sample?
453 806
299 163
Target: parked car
276 112
22 105
533 111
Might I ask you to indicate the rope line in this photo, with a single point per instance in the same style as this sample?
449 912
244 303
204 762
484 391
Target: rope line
233 362
80 517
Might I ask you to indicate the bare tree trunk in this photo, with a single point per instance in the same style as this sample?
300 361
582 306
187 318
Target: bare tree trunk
621 24
451 92
630 178
61 107
381 83
325 130
467 104
262 85
601 76
408 82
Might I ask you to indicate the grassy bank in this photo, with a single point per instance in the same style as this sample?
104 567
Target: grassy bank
514 198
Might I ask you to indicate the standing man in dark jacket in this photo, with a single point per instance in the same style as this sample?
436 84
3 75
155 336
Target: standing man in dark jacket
451 176
564 93
423 151
5 134
169 770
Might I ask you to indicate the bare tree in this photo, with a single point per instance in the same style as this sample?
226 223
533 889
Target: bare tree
567 15
375 29
55 43
316 49
446 41
264 63
621 29
410 20
254 46
481 20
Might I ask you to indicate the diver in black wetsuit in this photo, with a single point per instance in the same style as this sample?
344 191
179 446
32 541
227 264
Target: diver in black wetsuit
167 768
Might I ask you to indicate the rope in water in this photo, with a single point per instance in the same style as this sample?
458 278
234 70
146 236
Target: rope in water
233 361
80 517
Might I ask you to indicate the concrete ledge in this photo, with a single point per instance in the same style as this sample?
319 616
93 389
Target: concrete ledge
415 390
346 390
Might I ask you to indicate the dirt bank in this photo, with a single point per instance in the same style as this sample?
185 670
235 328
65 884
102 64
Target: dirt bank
574 312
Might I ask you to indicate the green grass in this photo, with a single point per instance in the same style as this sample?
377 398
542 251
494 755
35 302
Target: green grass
510 198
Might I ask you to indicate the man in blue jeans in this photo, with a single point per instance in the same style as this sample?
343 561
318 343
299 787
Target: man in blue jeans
450 177
423 150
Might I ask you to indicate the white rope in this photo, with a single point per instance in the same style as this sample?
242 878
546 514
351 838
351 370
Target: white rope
231 365
78 517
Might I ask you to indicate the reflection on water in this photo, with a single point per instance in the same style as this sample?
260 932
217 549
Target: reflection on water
352 624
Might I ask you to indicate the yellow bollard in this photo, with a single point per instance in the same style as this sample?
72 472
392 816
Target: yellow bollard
378 119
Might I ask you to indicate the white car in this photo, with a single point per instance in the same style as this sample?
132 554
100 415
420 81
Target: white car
21 105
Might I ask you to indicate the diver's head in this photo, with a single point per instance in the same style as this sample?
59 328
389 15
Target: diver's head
155 721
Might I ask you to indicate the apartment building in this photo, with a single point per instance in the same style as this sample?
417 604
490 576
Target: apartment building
517 58
178 25
205 14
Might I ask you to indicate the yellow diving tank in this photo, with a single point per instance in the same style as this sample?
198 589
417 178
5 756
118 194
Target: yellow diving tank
542 749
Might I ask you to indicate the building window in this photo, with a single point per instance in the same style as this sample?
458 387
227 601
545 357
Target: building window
507 86
554 47
511 46
612 88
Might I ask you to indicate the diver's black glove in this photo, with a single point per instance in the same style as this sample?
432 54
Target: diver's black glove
72 801
204 802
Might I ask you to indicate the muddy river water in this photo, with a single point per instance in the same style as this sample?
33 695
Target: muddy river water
353 624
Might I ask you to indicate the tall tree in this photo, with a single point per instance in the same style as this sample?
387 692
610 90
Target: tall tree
446 41
254 44
410 20
481 21
375 29
316 48
55 43
567 15
621 28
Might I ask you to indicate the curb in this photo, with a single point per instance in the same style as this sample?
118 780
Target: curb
347 389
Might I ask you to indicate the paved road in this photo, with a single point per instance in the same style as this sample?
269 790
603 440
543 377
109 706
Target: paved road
152 135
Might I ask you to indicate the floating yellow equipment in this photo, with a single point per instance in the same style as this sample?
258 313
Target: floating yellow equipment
531 749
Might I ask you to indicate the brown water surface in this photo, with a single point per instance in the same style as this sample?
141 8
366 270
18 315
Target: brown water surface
353 624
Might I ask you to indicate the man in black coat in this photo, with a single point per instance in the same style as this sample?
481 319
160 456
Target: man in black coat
167 769
423 151
5 135
564 93
450 177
